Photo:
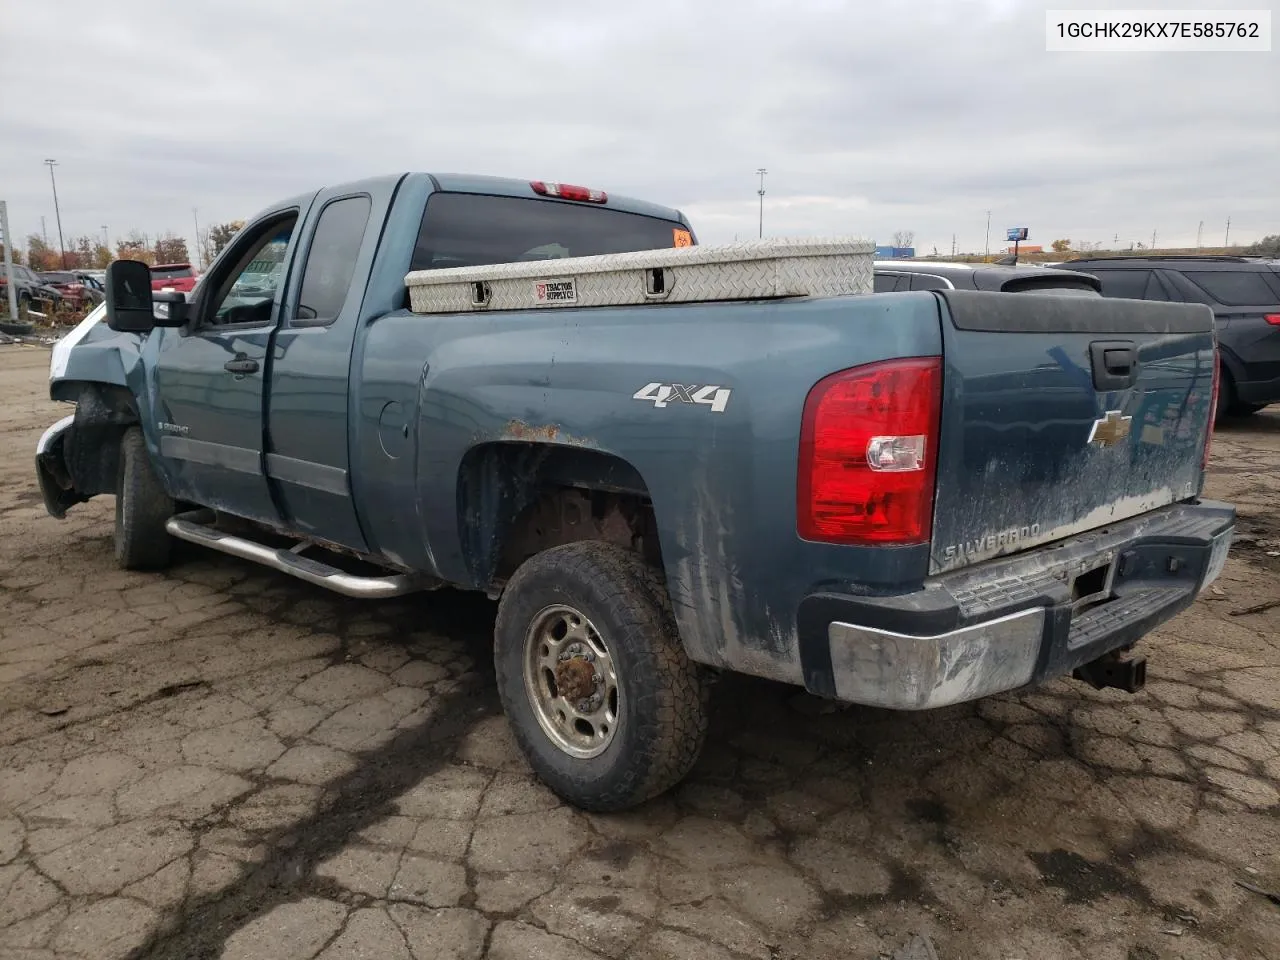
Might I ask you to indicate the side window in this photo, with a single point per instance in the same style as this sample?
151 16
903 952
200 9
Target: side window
1126 284
922 281
885 282
1235 288
1159 289
331 260
245 292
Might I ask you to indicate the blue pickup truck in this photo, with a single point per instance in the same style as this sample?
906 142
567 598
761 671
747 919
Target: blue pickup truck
905 500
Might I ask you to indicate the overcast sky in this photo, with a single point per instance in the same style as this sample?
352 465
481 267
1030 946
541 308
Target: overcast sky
870 117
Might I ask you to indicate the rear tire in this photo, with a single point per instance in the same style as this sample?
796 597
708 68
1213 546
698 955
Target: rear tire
1226 397
597 607
142 507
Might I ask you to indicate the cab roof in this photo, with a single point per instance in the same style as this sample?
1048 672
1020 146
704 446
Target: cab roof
511 187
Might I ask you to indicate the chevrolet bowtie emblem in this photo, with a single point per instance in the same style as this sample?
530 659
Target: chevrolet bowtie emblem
1109 430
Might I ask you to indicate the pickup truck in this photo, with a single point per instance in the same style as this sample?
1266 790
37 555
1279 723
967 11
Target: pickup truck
905 500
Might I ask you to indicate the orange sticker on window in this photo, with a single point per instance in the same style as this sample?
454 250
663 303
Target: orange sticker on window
683 238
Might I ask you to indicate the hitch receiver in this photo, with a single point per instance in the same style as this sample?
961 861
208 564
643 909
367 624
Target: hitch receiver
1114 670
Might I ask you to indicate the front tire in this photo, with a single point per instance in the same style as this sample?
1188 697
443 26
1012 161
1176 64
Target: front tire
601 697
142 508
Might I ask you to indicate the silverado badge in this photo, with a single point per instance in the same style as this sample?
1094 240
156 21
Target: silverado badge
1109 430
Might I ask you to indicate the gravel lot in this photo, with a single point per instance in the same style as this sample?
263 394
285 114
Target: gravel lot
224 762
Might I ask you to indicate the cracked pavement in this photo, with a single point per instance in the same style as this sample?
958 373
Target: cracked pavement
221 762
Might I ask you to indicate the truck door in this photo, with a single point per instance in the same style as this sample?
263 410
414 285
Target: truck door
309 401
209 374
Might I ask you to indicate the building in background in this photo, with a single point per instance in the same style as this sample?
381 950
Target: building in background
895 253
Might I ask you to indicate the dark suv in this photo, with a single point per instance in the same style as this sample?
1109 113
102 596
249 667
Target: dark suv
899 275
1244 293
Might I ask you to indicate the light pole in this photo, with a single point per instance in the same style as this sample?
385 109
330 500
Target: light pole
195 216
761 171
1199 235
986 246
56 212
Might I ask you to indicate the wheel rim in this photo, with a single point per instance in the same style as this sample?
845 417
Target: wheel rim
571 681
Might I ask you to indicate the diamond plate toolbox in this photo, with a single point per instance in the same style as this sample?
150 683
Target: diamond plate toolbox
740 271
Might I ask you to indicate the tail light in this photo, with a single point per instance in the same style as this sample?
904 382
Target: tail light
1272 318
1213 406
868 454
567 191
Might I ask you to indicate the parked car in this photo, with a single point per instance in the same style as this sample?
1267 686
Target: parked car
899 275
1244 293
77 287
906 500
31 290
173 276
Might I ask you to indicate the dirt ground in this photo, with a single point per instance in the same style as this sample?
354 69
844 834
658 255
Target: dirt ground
224 762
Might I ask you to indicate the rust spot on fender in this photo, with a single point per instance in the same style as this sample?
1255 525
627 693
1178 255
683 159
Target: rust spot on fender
550 433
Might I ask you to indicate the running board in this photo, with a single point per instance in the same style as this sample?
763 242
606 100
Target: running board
195 527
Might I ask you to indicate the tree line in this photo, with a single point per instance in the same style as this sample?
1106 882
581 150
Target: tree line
91 253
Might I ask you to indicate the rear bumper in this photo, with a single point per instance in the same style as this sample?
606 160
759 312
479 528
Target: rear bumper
1015 621
1258 391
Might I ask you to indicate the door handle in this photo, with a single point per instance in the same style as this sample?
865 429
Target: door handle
241 365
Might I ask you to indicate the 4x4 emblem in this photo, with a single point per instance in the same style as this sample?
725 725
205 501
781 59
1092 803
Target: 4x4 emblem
1109 430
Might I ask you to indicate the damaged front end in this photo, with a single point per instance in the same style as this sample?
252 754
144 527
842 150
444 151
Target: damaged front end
56 485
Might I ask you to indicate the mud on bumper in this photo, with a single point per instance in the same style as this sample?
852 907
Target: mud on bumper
1016 621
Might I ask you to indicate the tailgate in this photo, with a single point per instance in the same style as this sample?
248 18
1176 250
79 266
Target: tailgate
1062 414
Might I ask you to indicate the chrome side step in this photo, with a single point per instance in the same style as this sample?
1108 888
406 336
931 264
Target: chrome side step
196 527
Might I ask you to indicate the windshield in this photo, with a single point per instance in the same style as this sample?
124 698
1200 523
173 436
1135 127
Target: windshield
465 230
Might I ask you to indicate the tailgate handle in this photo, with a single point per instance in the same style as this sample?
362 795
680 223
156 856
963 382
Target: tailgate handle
1115 364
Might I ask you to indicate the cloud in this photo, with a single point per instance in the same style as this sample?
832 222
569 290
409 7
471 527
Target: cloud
869 117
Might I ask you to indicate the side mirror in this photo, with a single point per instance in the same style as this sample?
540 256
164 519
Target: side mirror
129 303
170 308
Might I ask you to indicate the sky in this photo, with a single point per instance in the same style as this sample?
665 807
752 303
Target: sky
870 118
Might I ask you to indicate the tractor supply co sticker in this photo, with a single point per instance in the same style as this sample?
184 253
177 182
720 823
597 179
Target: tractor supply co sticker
683 238
555 291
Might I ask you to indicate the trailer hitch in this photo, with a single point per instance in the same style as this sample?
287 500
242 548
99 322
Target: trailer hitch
1114 670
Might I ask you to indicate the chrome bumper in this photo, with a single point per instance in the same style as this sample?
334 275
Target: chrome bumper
1016 621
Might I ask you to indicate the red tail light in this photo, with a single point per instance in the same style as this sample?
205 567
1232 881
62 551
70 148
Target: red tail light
1213 406
1272 318
868 454
567 191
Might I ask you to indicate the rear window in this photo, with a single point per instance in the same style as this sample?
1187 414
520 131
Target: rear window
1055 286
170 273
58 277
466 230
1237 288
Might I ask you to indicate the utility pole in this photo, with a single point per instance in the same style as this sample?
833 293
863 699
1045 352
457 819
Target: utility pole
1227 240
1153 239
56 212
953 246
986 246
8 263
1199 235
106 241
761 171
195 216
44 234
